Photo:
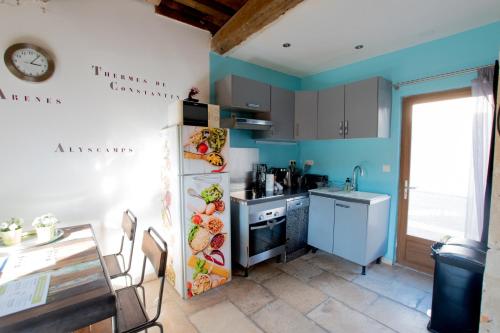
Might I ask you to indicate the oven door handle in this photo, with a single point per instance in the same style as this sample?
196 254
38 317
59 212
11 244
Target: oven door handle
269 225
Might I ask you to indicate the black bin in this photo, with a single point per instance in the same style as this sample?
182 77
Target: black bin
458 283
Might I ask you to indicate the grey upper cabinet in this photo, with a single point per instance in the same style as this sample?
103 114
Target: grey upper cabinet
306 115
282 115
331 113
241 93
368 108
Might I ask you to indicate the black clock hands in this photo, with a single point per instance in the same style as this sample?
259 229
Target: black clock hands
33 62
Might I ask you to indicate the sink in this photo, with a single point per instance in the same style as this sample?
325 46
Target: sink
355 194
365 197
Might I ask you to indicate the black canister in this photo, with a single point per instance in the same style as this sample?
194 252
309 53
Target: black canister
458 283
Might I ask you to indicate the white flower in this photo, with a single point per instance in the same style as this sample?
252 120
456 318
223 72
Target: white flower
13 223
46 220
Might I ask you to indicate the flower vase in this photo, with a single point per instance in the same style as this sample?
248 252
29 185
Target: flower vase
11 237
45 234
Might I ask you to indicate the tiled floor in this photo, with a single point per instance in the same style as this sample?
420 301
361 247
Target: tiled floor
314 293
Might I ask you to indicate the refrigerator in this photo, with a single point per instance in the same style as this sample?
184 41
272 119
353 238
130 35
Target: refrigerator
196 207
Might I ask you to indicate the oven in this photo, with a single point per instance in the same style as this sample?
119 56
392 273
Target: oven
266 234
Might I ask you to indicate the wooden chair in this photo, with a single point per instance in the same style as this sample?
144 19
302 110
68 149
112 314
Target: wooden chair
131 313
129 226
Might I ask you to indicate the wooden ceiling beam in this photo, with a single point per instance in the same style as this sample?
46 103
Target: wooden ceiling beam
185 17
252 17
234 4
205 9
193 13
230 11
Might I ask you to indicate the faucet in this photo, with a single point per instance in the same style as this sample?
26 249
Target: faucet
355 177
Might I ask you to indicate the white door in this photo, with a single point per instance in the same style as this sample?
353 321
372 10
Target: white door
207 230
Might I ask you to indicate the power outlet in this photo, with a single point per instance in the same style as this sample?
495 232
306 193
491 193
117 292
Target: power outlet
309 162
386 168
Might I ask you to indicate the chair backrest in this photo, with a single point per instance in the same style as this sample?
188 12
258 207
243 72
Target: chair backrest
129 224
154 251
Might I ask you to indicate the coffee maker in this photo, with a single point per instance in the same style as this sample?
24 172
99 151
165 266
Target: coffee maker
260 177
279 174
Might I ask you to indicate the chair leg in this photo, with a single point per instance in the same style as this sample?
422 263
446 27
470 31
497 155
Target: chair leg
160 326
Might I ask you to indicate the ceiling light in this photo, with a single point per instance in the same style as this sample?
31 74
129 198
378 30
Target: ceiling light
359 46
287 44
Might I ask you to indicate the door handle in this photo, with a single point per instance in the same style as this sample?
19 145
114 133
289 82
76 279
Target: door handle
259 227
342 206
279 221
346 127
407 189
341 128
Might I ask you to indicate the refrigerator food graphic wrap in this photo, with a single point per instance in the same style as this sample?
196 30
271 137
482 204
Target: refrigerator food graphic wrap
195 208
207 220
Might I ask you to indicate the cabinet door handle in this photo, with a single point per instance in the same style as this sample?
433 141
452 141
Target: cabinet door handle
253 105
342 206
346 127
341 128
297 129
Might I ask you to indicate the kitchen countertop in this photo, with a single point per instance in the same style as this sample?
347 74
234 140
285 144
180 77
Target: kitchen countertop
354 196
251 197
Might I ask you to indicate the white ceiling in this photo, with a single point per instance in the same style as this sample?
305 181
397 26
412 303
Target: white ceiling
323 33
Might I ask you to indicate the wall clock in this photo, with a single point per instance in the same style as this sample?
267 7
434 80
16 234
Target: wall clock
29 62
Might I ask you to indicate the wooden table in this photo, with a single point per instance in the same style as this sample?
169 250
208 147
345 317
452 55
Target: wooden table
80 291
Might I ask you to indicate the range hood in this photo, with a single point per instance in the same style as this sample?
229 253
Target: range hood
246 123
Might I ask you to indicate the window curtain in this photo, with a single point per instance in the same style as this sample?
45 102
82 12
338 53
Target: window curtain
482 90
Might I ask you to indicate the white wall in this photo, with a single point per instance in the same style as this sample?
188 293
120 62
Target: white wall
122 36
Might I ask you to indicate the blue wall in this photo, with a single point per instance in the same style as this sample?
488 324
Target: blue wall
337 157
272 154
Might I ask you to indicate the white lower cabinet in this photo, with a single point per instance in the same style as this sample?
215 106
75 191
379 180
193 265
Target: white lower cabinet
352 230
321 221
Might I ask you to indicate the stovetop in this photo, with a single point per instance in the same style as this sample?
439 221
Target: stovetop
252 196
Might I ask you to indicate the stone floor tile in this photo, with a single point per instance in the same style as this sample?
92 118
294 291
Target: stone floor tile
339 318
173 318
336 265
301 269
415 279
345 291
425 304
263 271
397 316
223 318
308 255
200 302
279 317
295 292
394 289
246 294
